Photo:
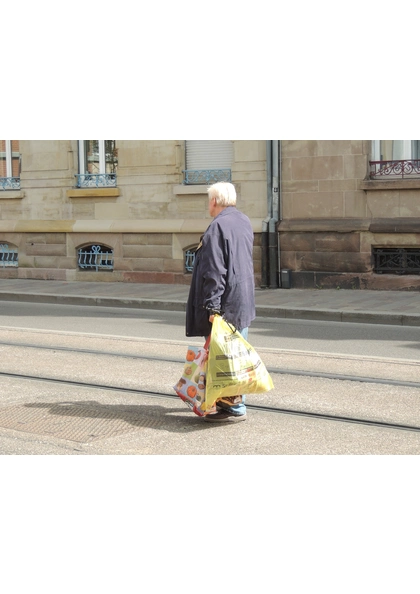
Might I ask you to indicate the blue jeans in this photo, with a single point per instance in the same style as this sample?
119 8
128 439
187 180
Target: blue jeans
236 409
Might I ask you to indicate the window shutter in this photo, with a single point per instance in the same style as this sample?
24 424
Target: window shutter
209 154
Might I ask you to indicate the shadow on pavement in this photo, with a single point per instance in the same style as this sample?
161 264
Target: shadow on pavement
110 419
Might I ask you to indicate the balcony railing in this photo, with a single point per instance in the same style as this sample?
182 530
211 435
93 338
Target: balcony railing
206 176
96 180
9 183
400 169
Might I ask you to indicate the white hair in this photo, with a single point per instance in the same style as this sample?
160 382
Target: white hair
224 193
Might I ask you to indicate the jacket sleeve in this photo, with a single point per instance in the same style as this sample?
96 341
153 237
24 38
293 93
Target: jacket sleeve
215 267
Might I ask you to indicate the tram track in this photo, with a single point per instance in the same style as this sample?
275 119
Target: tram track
270 369
257 408
120 350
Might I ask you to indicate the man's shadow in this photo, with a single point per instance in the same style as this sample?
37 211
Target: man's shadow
174 420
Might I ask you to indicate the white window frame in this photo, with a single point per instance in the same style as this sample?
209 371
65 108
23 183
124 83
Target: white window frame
102 162
406 150
10 181
9 172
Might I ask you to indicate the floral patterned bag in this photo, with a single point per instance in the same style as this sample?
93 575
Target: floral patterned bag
191 387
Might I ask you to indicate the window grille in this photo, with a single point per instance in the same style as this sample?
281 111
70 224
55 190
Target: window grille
100 180
190 259
206 176
8 256
96 257
396 260
9 183
402 169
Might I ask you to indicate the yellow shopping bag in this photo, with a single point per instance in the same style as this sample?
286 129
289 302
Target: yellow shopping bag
233 367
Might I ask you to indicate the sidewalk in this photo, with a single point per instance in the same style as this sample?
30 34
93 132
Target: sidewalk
360 306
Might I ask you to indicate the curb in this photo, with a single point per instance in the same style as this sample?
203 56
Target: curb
158 304
330 315
264 311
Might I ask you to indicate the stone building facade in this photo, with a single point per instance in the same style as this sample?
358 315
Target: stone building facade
337 213
351 214
147 219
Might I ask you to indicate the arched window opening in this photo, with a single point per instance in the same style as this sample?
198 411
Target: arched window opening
96 257
189 259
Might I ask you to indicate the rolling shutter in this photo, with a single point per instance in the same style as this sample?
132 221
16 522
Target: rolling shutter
209 154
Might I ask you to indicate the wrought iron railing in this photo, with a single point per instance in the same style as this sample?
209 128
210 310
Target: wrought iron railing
8 256
206 176
93 258
397 169
190 259
96 180
396 260
9 183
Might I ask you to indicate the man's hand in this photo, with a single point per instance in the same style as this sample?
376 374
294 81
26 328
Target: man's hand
211 318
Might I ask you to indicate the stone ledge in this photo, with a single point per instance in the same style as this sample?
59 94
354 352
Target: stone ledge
93 192
12 195
329 225
401 225
394 225
112 226
189 190
390 184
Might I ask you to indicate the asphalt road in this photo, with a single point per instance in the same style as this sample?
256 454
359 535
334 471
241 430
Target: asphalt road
94 354
371 340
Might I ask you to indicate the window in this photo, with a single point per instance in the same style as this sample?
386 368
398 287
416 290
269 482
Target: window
189 260
208 161
9 165
96 257
98 161
395 159
8 256
396 260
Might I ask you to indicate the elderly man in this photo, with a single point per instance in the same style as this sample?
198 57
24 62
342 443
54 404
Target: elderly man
223 281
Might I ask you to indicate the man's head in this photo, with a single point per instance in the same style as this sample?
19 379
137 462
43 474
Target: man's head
221 195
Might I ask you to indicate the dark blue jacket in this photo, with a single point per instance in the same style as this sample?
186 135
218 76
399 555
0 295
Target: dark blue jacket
223 275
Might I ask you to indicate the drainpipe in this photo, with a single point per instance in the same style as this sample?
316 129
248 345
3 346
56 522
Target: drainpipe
280 218
273 243
266 221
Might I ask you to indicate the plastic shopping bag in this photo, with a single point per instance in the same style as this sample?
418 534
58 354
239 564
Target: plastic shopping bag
233 367
191 387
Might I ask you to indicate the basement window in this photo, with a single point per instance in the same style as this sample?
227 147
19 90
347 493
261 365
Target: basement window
8 256
96 257
396 260
189 259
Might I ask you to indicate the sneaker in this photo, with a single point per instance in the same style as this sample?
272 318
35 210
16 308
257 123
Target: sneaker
224 417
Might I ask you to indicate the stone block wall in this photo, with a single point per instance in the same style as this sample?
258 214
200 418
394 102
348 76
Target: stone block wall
138 257
333 216
148 220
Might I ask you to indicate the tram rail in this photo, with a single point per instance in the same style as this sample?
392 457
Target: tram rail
271 370
402 424
258 408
